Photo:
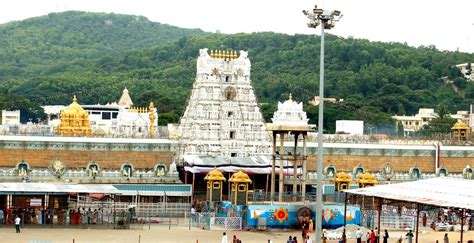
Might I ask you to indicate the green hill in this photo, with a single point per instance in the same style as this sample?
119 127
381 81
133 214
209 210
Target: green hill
376 80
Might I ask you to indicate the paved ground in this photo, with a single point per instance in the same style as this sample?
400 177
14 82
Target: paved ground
175 235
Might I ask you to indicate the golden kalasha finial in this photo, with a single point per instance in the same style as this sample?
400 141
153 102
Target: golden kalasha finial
290 97
74 99
220 55
152 106
234 55
212 54
227 55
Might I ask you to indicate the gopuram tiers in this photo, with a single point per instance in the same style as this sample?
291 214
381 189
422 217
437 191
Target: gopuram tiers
222 117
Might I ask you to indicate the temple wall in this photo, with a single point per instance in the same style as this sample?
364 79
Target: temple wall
77 153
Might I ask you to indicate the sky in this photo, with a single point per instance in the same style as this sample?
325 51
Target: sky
449 25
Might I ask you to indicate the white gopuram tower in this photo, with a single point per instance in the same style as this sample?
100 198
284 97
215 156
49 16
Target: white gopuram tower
222 117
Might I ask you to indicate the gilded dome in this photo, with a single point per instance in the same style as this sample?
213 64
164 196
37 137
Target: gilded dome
460 125
214 175
367 178
342 177
240 176
74 121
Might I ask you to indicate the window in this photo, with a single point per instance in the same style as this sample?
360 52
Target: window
230 113
232 135
216 185
105 115
227 78
242 187
233 154
114 115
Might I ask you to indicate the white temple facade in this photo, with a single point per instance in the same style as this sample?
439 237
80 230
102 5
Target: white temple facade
290 113
222 117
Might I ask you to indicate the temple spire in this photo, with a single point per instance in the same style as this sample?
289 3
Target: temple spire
125 99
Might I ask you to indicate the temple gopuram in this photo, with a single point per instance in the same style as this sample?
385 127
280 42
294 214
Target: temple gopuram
74 121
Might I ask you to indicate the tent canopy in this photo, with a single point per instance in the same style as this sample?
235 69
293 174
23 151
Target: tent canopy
441 191
256 164
25 188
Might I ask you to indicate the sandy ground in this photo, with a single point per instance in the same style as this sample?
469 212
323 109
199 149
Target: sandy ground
176 234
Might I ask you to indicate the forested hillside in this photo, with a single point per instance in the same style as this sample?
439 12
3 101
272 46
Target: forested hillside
157 62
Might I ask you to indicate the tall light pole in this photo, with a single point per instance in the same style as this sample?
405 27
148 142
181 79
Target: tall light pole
327 20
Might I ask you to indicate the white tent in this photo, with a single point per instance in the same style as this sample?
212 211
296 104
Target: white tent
440 191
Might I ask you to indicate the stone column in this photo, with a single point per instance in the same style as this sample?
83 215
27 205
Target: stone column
295 165
304 176
273 179
281 188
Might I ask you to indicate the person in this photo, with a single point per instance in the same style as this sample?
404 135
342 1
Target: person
290 240
17 224
377 237
308 239
295 239
446 239
324 236
385 237
359 235
311 226
409 236
372 236
224 238
367 237
2 215
424 219
400 240
304 228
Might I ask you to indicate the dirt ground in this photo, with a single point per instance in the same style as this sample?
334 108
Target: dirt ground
175 235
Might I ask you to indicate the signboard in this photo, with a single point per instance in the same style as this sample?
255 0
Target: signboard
35 202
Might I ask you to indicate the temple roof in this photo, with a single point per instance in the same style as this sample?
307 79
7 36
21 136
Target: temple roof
240 176
290 114
74 108
214 175
460 125
125 99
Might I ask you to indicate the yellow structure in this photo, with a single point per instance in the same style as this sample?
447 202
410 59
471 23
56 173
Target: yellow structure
152 120
366 180
215 180
74 121
226 55
239 188
342 181
460 131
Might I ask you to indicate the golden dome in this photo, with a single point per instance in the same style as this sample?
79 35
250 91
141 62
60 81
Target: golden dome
460 125
367 178
342 177
74 121
240 177
214 175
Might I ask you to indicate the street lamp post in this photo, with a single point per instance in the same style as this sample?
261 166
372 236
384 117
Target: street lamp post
327 20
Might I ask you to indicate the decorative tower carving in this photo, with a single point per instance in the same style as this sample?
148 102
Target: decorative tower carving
152 120
222 117
74 121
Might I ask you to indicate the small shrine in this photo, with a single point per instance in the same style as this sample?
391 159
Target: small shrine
342 181
289 119
215 180
366 180
239 188
460 131
74 121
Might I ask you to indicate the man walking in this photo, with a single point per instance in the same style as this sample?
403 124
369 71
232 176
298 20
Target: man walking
359 235
17 224
224 238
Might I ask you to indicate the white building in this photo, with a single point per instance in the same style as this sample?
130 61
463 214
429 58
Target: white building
464 70
350 127
9 117
116 119
222 117
290 113
414 123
